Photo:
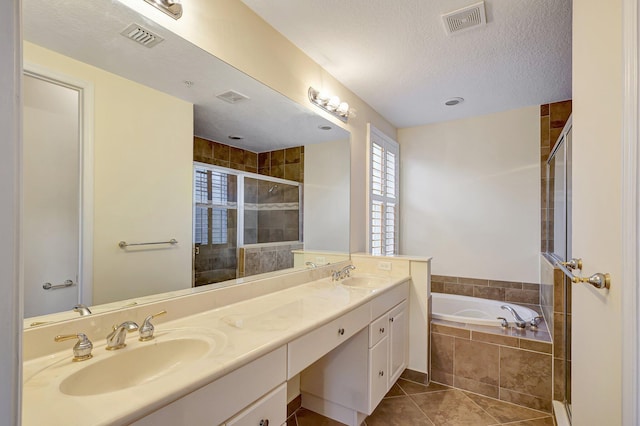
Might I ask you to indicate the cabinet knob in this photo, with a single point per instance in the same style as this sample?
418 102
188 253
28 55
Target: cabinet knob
381 373
341 331
391 319
264 422
381 330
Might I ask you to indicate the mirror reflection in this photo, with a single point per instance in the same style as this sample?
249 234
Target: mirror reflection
204 174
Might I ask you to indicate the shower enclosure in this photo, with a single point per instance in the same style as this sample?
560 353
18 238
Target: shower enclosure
559 248
244 223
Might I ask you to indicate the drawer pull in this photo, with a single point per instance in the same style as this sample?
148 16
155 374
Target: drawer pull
381 330
264 422
381 373
341 331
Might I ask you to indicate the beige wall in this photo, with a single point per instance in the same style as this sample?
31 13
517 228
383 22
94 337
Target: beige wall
326 196
597 239
231 31
142 181
472 197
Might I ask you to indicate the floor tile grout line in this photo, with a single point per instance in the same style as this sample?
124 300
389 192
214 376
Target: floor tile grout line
478 405
519 421
542 413
421 410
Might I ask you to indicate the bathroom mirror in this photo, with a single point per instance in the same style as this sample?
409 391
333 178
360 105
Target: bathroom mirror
145 105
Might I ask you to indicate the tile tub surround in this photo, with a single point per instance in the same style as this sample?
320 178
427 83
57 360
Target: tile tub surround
504 291
414 404
505 367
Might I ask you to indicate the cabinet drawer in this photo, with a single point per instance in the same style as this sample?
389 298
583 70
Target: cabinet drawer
309 348
378 329
228 395
388 300
268 411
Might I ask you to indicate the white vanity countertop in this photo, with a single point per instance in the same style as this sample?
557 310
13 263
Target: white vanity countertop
242 331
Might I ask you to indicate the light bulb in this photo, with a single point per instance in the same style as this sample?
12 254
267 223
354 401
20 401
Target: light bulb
343 108
322 98
333 104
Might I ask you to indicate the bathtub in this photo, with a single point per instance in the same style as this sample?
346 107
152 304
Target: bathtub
474 310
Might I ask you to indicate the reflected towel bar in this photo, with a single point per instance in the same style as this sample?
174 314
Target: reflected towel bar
598 280
124 244
49 286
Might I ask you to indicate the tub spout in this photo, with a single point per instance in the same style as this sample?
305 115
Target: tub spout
520 323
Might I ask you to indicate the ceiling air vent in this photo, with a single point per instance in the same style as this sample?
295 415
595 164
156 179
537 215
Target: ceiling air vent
141 35
232 96
464 19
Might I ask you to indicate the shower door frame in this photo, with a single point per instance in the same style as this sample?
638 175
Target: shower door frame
564 142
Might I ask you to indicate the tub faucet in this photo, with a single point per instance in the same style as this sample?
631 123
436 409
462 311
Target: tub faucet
82 309
115 339
310 264
342 273
520 323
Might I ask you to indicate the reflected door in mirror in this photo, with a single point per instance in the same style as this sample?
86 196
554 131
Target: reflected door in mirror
51 182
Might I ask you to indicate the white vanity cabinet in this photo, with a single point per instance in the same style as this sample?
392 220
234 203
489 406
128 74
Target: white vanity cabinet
348 383
254 392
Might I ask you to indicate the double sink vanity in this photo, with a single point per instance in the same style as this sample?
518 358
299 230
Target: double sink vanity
342 341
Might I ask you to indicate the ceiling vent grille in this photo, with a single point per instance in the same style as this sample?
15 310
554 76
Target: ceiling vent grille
141 35
465 19
232 96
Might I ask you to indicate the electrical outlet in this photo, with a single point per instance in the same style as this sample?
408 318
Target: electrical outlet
321 260
384 266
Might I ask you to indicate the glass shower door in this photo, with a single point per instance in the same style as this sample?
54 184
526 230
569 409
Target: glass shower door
215 226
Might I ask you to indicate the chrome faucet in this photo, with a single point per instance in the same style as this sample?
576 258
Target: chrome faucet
82 309
146 329
310 264
115 339
342 273
520 323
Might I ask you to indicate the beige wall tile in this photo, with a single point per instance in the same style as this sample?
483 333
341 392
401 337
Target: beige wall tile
542 404
476 361
450 331
494 338
526 372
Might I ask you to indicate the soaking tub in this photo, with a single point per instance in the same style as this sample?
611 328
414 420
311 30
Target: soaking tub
474 310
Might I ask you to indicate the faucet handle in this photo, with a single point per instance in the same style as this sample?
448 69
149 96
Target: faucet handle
535 322
146 329
503 322
82 348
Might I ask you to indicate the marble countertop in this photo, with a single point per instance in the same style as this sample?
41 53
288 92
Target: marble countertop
240 333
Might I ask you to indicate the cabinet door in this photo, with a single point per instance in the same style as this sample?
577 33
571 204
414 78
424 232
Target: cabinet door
378 373
398 327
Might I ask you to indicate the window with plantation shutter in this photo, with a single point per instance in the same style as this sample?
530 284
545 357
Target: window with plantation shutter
383 193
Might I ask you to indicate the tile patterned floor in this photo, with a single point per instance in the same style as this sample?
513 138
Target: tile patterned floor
413 404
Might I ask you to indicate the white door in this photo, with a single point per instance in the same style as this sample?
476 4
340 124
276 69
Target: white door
51 188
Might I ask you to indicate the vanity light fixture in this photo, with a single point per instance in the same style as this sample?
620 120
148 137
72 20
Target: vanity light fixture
331 104
172 8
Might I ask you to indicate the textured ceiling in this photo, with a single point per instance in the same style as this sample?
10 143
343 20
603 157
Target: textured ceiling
90 32
396 56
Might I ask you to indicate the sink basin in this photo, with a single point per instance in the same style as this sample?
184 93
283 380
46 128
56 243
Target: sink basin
364 281
133 367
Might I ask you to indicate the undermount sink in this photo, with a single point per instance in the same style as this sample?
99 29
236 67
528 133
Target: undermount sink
364 281
133 367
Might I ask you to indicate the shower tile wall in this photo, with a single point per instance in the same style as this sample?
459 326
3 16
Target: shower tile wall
268 220
553 117
284 163
504 291
261 259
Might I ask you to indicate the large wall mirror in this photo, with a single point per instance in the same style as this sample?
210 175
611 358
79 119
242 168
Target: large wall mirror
134 135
